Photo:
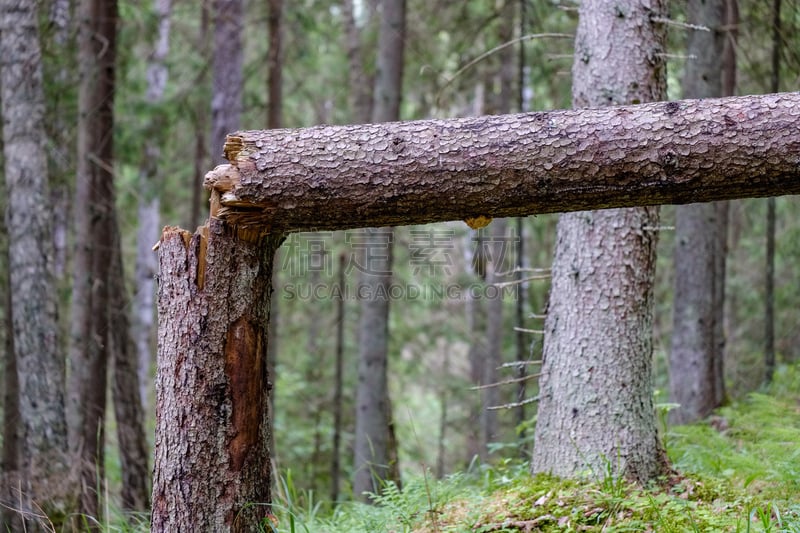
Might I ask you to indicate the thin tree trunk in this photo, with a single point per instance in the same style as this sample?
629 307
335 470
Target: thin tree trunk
376 457
200 119
128 410
90 354
476 326
696 354
148 209
444 393
596 410
494 306
519 337
723 210
494 333
10 480
274 120
275 63
212 469
360 95
338 385
228 82
44 468
769 289
371 461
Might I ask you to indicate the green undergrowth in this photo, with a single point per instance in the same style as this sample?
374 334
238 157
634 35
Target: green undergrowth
739 471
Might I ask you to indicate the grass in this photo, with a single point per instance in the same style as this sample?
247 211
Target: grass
739 472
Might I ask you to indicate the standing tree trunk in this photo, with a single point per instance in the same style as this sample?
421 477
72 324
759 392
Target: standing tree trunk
274 120
596 410
92 264
128 409
769 289
375 442
228 83
148 209
495 329
212 384
338 385
200 118
10 459
275 65
701 231
360 96
44 471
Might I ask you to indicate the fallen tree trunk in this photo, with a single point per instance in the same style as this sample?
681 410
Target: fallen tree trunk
339 177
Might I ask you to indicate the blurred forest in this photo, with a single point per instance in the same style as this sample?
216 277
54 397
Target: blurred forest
452 288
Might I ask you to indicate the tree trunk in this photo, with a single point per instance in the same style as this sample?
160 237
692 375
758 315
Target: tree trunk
338 385
212 470
275 62
340 177
148 209
700 230
494 332
375 440
371 463
596 412
497 264
228 84
44 470
360 96
724 209
10 460
769 286
128 410
200 119
92 263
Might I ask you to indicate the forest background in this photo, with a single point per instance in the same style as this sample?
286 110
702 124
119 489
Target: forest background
182 82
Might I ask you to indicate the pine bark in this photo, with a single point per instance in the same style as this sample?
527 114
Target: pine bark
596 415
212 469
44 468
700 235
340 177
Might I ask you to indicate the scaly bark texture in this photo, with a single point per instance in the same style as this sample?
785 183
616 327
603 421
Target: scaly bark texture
596 415
700 236
39 363
339 177
212 470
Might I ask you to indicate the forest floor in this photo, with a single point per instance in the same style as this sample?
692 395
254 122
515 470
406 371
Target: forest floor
738 471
